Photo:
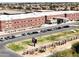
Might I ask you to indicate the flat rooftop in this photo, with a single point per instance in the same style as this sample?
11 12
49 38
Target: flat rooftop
12 11
34 14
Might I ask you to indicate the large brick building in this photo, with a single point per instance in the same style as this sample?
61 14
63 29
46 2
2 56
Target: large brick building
21 22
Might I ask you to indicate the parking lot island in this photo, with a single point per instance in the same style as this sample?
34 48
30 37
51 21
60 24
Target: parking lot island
45 44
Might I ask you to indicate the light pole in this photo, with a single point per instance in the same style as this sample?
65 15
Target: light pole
9 25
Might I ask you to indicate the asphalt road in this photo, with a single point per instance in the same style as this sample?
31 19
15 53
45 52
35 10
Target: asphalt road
4 52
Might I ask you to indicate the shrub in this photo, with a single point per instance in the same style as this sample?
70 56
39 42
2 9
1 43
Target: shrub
66 53
75 47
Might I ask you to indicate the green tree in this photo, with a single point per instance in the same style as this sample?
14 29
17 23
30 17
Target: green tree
75 47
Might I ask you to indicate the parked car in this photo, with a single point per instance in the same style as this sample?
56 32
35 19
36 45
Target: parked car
23 34
13 37
49 29
6 38
58 28
1 39
66 26
34 32
29 33
43 30
9 37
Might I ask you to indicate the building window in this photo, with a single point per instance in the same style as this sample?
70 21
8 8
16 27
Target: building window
24 25
17 22
14 22
35 19
24 21
14 27
30 20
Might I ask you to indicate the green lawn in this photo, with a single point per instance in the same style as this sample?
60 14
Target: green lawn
15 47
42 39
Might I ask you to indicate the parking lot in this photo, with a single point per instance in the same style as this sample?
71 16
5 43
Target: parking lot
32 32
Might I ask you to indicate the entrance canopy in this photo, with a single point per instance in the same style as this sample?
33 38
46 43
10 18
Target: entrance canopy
61 18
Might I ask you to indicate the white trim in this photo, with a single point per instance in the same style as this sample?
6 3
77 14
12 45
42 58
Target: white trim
34 14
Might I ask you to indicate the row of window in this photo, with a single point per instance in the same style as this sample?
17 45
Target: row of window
27 21
33 24
69 15
24 25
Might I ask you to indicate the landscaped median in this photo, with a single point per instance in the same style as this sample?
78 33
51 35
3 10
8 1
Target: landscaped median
21 46
72 52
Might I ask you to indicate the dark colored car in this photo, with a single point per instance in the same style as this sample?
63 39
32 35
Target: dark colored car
34 32
49 29
29 33
67 26
13 37
6 38
23 34
9 37
58 28
1 39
